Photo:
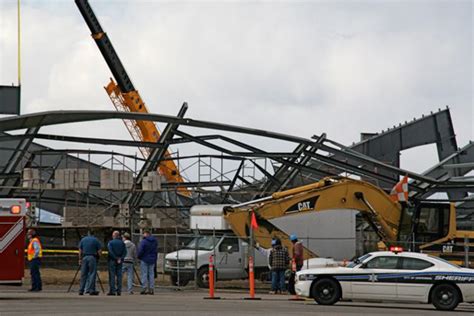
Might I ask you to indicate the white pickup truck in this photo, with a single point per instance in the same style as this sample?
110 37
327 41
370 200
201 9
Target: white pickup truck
215 238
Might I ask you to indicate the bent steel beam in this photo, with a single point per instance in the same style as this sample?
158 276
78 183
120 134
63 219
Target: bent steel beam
63 117
16 159
436 128
157 154
461 158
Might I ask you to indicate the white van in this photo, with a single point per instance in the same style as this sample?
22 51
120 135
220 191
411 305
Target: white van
215 238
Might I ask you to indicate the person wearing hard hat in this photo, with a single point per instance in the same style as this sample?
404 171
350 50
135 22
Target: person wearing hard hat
298 252
34 254
279 260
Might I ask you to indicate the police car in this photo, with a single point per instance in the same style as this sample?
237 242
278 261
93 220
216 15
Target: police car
390 276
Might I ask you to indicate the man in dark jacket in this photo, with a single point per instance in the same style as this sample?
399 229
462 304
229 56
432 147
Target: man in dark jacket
147 253
89 253
117 252
279 260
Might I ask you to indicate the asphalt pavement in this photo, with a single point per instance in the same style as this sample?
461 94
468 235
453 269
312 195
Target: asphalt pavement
168 301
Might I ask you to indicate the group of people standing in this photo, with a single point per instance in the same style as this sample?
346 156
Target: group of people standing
279 260
121 258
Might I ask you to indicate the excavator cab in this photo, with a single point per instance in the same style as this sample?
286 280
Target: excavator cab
431 222
433 228
424 223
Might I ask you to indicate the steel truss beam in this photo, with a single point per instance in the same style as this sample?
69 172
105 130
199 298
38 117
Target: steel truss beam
385 147
16 159
460 161
63 117
340 157
153 161
278 157
84 140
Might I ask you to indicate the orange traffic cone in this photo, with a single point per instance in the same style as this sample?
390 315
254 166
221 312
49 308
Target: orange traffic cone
211 280
251 281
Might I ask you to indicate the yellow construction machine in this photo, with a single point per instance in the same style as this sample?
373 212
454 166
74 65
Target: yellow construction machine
424 226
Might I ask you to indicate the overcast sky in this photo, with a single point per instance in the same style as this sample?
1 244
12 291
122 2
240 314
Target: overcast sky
302 68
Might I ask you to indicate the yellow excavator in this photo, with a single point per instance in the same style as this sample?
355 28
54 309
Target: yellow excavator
424 226
126 98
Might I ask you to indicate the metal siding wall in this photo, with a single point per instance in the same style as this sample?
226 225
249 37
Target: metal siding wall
10 100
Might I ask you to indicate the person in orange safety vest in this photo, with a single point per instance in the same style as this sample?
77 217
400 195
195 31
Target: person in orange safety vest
34 254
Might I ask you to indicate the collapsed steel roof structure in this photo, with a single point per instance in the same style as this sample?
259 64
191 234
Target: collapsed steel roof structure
376 158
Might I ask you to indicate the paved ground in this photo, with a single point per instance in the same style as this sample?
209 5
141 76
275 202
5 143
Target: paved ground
54 301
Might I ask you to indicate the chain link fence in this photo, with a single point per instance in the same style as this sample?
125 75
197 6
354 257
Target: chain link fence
183 258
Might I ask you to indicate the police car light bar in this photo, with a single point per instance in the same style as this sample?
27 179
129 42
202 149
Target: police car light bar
396 249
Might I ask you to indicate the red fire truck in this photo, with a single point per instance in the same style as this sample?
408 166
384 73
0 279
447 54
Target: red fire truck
12 240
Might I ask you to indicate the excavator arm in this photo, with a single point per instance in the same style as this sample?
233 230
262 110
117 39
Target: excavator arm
125 97
373 203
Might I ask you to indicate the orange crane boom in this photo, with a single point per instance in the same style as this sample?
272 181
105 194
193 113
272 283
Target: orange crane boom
126 98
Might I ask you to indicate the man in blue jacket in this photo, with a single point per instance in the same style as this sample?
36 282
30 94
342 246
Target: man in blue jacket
89 253
117 252
147 253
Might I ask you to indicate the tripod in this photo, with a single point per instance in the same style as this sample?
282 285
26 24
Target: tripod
136 274
75 277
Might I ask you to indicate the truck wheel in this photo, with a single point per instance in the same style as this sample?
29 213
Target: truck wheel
203 277
182 281
445 297
326 291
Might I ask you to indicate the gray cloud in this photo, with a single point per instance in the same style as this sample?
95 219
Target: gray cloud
341 67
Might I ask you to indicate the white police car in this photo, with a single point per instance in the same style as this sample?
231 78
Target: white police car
390 275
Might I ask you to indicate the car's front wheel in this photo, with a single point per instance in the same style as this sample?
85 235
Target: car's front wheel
326 291
445 297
